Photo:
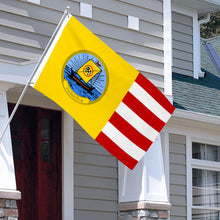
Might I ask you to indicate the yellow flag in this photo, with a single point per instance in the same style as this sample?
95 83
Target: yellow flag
111 100
84 76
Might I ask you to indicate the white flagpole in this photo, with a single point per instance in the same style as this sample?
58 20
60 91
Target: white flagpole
66 13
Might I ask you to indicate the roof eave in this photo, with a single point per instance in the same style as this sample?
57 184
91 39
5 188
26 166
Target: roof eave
196 116
202 6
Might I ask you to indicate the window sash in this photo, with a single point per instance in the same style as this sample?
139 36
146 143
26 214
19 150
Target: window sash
207 152
205 165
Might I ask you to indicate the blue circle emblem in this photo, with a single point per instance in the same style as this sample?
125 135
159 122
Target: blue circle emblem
85 77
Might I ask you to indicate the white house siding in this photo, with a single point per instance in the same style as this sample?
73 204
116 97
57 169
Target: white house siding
182 33
177 157
25 30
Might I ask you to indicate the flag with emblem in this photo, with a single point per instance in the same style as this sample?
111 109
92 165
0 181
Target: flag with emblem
120 108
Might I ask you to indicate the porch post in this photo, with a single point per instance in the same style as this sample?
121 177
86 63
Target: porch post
143 191
8 191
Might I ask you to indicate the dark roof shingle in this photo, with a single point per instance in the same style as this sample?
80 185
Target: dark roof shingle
199 95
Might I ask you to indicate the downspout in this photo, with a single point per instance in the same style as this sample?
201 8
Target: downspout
205 20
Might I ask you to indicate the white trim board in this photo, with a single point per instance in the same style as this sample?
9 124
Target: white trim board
167 24
166 155
189 176
16 73
67 166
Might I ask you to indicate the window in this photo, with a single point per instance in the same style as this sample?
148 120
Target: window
205 181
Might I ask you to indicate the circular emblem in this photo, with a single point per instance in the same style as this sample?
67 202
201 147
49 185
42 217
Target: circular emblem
85 77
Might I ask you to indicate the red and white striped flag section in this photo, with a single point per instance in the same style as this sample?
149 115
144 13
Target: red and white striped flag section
109 98
136 122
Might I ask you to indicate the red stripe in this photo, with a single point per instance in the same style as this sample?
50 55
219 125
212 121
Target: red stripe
116 151
154 92
130 132
143 112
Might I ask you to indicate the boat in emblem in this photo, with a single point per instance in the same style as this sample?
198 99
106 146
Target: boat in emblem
80 81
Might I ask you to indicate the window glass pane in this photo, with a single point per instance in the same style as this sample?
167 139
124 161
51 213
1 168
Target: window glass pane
199 177
199 186
17 149
206 152
45 128
213 179
212 152
206 190
15 127
46 151
199 214
198 151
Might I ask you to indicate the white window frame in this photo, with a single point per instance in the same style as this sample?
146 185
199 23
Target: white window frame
199 164
167 24
67 166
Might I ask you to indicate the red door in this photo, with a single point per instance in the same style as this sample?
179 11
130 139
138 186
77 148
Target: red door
36 142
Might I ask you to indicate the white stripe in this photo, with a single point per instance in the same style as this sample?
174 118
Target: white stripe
50 50
132 118
149 102
124 143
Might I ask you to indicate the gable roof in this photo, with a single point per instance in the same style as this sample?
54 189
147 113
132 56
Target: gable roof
200 95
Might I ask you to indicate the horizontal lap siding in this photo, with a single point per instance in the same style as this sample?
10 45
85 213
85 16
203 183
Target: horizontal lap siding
177 176
182 33
95 175
27 28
